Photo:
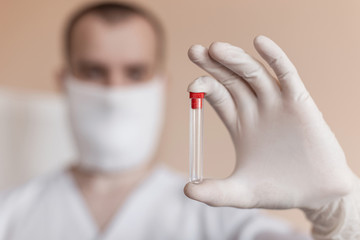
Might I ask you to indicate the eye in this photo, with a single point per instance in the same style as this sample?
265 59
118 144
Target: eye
137 73
92 72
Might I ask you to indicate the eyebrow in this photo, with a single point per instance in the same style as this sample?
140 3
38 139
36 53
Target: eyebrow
138 65
90 63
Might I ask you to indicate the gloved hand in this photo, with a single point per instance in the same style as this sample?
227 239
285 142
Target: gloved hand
286 155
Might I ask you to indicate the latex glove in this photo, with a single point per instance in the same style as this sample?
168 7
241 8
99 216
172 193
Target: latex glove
286 155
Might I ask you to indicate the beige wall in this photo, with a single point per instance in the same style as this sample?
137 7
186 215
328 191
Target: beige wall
321 37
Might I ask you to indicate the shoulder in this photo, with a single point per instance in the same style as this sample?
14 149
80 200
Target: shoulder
23 196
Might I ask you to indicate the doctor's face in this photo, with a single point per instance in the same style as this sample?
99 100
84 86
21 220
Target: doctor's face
113 53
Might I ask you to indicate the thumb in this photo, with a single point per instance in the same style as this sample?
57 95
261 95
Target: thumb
216 193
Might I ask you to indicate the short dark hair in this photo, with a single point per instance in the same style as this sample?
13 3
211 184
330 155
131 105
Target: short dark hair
113 12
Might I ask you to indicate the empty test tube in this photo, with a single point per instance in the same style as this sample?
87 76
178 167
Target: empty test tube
196 136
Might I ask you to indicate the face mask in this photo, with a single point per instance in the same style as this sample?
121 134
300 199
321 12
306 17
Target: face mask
115 128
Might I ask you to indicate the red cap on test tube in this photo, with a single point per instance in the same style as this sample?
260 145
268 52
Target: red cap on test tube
196 100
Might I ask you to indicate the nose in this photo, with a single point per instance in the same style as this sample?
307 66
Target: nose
116 79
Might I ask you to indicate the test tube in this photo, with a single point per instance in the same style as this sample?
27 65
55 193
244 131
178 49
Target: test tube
196 136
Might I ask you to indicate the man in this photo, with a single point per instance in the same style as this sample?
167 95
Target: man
115 87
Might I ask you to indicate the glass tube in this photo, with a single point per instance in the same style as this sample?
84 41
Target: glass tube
196 137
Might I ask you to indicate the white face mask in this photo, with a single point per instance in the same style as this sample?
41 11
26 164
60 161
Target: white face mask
115 128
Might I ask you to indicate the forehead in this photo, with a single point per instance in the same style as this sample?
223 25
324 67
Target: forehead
130 39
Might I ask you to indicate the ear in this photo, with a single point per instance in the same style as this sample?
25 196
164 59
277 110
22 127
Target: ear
166 78
60 76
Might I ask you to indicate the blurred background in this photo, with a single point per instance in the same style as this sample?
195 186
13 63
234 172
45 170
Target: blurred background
321 37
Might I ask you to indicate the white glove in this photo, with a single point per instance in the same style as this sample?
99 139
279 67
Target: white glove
339 219
286 155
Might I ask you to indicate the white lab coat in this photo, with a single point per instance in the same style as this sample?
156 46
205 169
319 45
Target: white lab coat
51 207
